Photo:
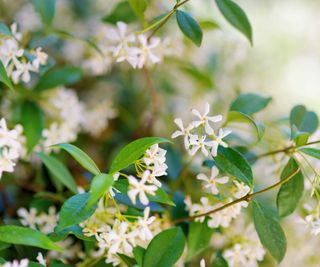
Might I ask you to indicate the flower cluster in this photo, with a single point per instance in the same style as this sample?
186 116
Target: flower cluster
151 166
119 233
11 146
200 134
18 62
224 217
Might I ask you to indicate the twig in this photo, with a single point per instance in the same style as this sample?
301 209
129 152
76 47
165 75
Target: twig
246 198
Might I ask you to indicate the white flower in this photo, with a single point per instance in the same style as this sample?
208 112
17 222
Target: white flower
140 188
184 131
196 209
16 263
154 155
242 189
218 139
312 222
41 259
211 182
14 31
9 51
22 71
144 224
205 119
121 239
41 58
147 51
28 218
200 143
202 263
236 256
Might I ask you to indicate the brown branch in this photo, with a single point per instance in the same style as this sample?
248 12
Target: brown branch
246 198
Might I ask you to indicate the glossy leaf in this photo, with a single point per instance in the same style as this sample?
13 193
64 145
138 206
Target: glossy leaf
74 211
4 29
64 76
32 120
238 117
99 186
234 14
189 26
250 103
198 238
19 235
132 152
4 76
59 171
138 6
46 10
303 120
165 248
138 253
220 261
290 192
72 230
233 163
269 231
122 12
313 152
81 157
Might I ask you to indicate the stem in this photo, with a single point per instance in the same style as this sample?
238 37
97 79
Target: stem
247 198
166 18
284 150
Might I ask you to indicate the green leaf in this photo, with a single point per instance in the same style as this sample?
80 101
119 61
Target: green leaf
235 16
138 7
4 245
81 157
46 9
64 76
130 262
219 261
189 26
202 77
59 171
165 248
198 238
161 196
133 151
138 253
238 117
250 103
209 25
74 230
4 30
4 76
32 120
269 231
290 192
99 186
313 152
303 120
122 12
19 235
74 211
234 163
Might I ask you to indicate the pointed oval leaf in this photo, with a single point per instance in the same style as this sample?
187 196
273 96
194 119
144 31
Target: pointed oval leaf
234 163
4 30
132 152
250 103
74 211
198 238
4 76
302 120
99 186
32 120
19 235
81 157
313 152
46 9
234 14
59 171
269 231
55 77
189 26
290 192
165 248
